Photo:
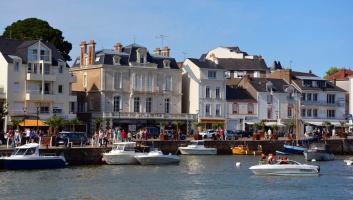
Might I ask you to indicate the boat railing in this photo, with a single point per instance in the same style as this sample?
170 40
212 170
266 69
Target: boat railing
47 154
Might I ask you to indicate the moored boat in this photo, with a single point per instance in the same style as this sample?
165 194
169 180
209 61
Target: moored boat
27 157
156 157
285 168
197 147
122 153
244 150
318 152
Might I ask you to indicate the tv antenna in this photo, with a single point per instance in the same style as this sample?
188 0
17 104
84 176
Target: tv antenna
184 54
162 37
290 64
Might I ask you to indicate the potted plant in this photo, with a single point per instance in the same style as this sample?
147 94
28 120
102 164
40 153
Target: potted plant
275 128
163 135
326 124
255 134
262 124
177 133
343 125
199 125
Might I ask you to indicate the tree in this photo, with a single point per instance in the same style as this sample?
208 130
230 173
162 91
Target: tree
34 29
74 121
331 71
262 124
98 121
55 123
177 124
162 125
199 125
291 126
15 122
3 108
217 125
255 126
326 124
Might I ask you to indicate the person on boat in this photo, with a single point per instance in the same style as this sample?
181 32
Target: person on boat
285 160
270 158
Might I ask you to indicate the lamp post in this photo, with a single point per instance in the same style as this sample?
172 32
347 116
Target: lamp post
24 117
37 105
197 115
119 110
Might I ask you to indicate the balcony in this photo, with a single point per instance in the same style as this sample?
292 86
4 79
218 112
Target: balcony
320 103
144 89
40 77
181 116
37 95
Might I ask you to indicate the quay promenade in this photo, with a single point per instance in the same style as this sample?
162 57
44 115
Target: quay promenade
91 155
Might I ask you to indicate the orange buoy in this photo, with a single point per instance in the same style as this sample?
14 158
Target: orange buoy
103 160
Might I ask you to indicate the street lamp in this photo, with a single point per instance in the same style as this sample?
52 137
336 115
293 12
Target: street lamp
37 105
119 110
24 116
197 115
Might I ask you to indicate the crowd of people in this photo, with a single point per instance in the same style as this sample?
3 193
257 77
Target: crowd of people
103 138
271 159
15 137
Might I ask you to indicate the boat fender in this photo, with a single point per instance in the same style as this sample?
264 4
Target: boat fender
103 160
349 163
238 164
313 160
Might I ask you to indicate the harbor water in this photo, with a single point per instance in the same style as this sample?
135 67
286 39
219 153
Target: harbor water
196 177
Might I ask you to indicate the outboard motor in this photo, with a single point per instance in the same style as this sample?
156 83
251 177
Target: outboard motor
318 168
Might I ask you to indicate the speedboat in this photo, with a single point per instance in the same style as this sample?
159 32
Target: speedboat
291 149
285 168
122 153
318 152
27 157
156 157
244 150
197 147
348 161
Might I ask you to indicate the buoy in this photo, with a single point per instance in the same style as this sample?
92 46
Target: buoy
238 164
313 160
349 163
103 160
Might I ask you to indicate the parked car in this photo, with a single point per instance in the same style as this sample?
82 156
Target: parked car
77 138
170 135
208 133
231 135
242 133
152 133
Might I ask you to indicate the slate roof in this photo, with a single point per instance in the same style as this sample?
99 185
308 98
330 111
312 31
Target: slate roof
127 55
260 84
18 48
205 64
238 94
242 64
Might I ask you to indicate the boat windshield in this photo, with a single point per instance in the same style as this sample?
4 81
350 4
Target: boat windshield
125 147
23 151
196 143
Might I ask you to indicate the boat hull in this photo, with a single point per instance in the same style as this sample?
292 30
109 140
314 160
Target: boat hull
284 170
245 152
294 149
123 158
197 151
319 156
41 162
158 160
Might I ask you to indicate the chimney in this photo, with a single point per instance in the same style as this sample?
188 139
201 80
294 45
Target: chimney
310 71
246 78
118 47
260 57
83 47
334 81
288 75
216 61
165 51
91 49
157 51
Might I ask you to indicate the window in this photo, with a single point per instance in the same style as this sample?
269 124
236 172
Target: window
85 80
303 96
16 66
141 58
314 112
303 112
330 113
308 96
290 111
46 69
138 82
239 74
44 109
167 105
116 103
208 92
35 68
307 82
235 108
269 113
208 110
116 60
44 55
314 97
212 75
257 74
308 113
218 92
60 69
269 99
250 108
168 83
60 89
29 68
34 54
16 87
136 104
227 74
91 104
218 109
331 98
117 80
148 105
149 83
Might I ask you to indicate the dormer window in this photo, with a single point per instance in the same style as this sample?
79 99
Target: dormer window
44 55
227 74
141 55
269 87
116 60
166 63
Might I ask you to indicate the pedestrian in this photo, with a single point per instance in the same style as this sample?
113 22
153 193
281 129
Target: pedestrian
95 138
129 136
333 133
6 135
105 139
225 134
114 135
28 135
269 133
32 135
146 134
192 132
221 133
100 137
123 136
17 138
119 135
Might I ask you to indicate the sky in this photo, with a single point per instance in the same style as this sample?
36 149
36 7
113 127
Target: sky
303 35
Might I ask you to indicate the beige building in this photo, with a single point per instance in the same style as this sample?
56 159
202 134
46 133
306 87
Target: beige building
128 87
35 81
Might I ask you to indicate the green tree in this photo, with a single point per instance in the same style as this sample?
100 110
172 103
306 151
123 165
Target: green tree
177 124
326 124
199 125
15 122
217 125
98 122
255 126
331 71
55 123
34 29
162 125
262 124
291 126
74 121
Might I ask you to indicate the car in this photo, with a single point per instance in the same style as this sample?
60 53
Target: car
242 133
77 138
170 135
152 133
208 133
231 135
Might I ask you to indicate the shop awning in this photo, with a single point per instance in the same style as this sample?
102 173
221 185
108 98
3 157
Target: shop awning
274 123
32 122
319 123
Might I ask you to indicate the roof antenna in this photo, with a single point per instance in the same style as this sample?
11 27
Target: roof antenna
134 39
290 64
184 54
162 37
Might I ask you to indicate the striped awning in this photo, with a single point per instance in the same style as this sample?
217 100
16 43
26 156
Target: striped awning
32 122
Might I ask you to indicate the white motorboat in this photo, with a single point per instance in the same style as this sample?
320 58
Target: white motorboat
318 152
285 168
197 147
156 157
122 153
27 157
349 161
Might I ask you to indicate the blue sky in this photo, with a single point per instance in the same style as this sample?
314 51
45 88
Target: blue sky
314 34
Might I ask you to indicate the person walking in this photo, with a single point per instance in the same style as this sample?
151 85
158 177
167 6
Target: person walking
129 136
333 133
100 137
123 136
269 133
146 134
221 133
225 134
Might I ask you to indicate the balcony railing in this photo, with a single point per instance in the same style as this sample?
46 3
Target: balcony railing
124 115
320 103
145 89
